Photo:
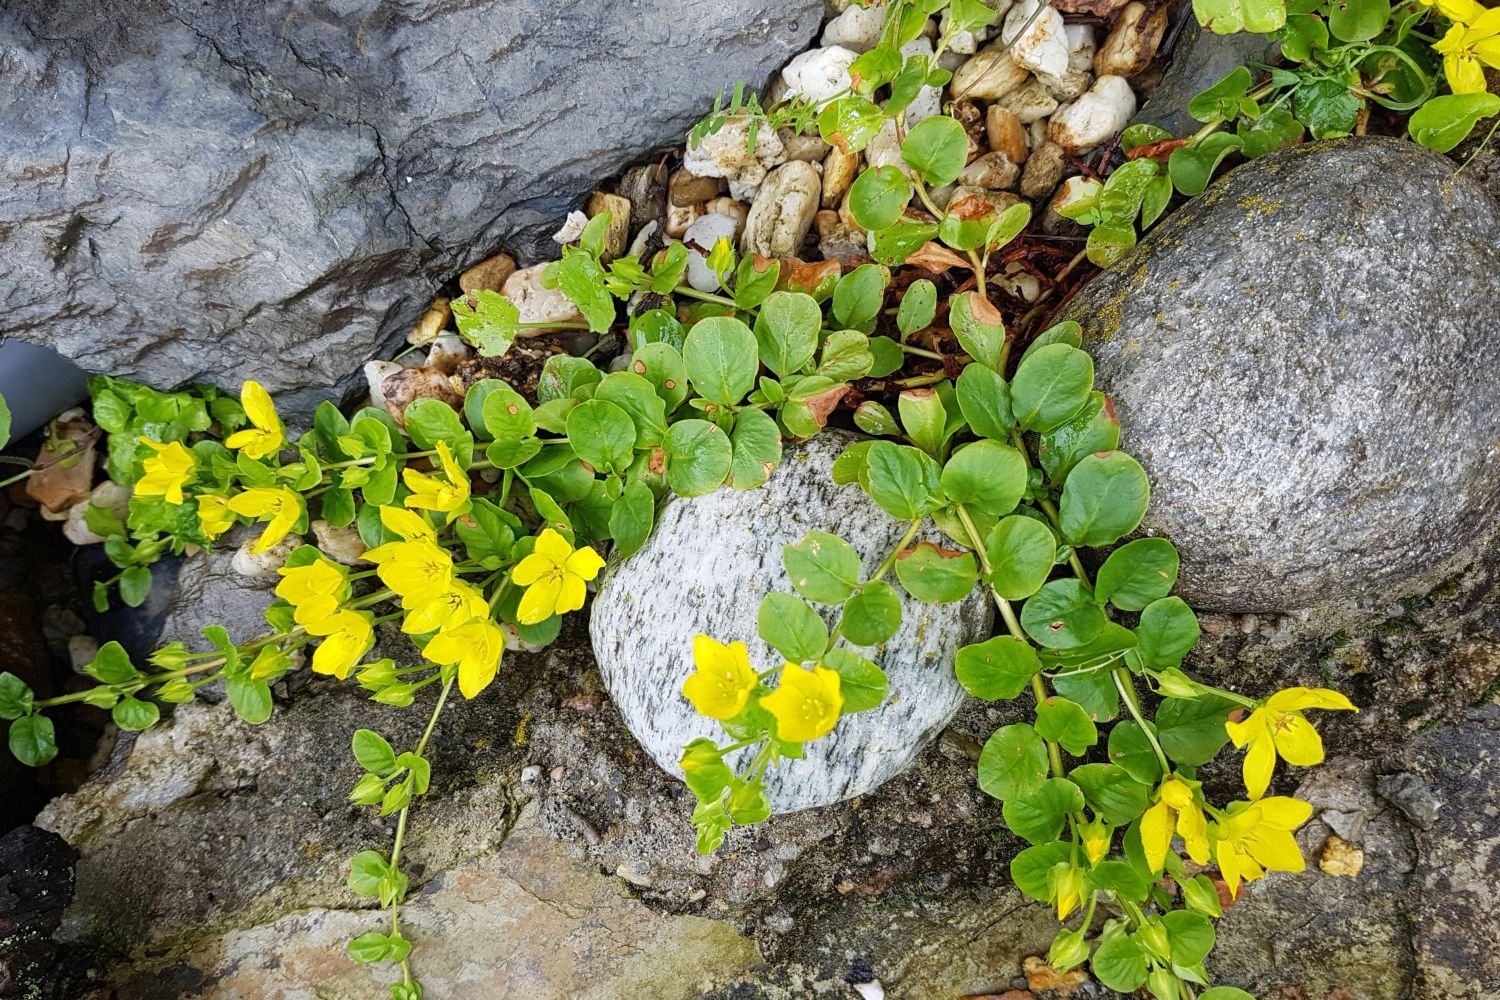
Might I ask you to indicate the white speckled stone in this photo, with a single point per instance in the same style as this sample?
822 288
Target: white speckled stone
706 568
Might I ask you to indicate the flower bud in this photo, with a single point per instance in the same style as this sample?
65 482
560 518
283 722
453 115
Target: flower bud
1096 840
1173 683
1068 949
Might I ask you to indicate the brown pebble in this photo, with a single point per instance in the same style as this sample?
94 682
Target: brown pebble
687 188
432 322
1006 134
488 275
1042 977
1044 169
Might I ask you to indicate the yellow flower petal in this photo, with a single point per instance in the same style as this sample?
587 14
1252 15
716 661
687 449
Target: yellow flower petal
553 547
1464 74
531 569
1296 698
408 524
1260 764
1298 742
1193 830
572 595
1276 850
585 563
1156 835
540 600
1280 812
1229 865
1252 728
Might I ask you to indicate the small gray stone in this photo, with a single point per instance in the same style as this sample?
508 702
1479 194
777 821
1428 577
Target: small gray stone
1412 796
1298 359
705 569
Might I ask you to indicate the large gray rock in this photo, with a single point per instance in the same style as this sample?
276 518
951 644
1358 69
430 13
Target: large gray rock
222 191
708 564
1300 357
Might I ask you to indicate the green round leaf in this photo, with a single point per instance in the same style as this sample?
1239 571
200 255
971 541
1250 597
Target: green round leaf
1131 749
1050 386
859 296
1120 878
918 307
1103 499
786 331
1357 21
1167 631
133 714
1191 730
792 627
987 476
997 669
251 699
979 328
1066 724
636 395
506 414
861 682
984 398
1032 870
1191 934
1445 121
1138 573
111 665
873 615
33 740
662 366
935 575
878 196
602 434
1022 552
722 359
16 697
698 457
925 418
823 567
1225 993
1039 816
1119 963
1062 615
373 752
936 148
1013 762
631 518
1112 793
903 480
1093 428
756 441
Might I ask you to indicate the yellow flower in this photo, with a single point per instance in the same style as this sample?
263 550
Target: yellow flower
1466 11
450 495
1257 838
419 571
554 576
806 703
1096 840
1468 48
408 524
214 515
348 636
476 648
283 507
448 610
266 436
1176 808
314 591
167 471
1279 727
724 679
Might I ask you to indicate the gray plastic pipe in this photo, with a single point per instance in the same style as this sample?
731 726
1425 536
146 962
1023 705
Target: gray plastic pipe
38 384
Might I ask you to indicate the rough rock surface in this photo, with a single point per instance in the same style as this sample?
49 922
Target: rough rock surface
207 845
705 569
36 883
1302 384
214 191
1199 59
